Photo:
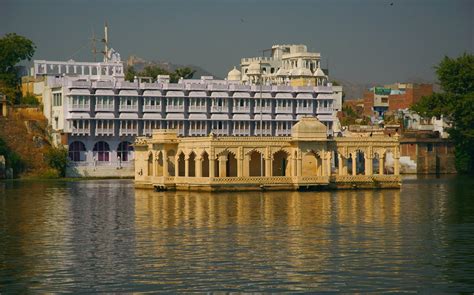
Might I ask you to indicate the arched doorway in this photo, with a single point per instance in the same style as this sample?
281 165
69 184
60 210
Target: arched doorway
231 165
150 165
376 164
159 164
101 151
77 151
256 164
280 164
360 162
205 164
125 151
192 165
181 164
170 161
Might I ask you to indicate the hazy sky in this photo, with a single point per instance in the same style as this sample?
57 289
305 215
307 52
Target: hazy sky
365 41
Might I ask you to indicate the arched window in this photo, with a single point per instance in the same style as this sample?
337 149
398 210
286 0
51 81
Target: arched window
101 151
125 151
77 151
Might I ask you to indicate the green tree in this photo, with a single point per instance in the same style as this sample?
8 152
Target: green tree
57 158
13 49
456 103
185 73
153 71
130 74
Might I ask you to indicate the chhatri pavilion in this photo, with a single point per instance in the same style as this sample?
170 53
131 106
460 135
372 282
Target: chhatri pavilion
309 158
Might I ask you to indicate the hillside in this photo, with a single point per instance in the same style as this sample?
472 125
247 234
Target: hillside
25 133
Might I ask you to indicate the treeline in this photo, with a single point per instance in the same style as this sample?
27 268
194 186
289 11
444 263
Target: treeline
152 71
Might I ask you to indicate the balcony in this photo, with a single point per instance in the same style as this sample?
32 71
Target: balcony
283 110
104 107
239 109
197 132
241 132
80 107
220 131
104 132
80 131
324 110
219 109
128 108
267 109
152 108
266 132
175 108
128 131
283 132
197 109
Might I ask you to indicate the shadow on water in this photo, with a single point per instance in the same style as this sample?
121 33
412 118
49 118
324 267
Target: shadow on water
106 236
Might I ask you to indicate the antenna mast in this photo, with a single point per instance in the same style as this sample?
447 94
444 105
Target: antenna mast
106 43
94 48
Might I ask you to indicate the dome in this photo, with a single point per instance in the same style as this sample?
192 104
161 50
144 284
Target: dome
319 73
234 75
254 69
309 128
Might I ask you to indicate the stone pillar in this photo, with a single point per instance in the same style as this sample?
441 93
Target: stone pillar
176 165
323 164
354 164
222 166
198 166
268 166
328 163
396 165
165 163
340 164
293 166
186 166
381 165
299 166
240 162
368 165
246 165
212 166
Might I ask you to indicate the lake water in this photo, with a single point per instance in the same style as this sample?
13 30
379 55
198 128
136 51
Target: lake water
103 235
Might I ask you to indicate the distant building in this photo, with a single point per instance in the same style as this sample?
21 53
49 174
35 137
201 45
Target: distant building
291 65
97 114
394 97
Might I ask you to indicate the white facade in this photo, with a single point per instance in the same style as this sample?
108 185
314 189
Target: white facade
98 114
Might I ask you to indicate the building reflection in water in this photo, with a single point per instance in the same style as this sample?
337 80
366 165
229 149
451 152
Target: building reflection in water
300 237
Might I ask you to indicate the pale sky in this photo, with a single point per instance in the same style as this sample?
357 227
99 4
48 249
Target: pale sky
365 41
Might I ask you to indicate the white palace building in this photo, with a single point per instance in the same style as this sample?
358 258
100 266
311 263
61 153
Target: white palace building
97 114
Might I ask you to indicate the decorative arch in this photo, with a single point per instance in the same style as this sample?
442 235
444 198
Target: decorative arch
77 151
205 164
125 151
256 163
181 165
101 151
311 163
192 164
280 163
150 164
171 163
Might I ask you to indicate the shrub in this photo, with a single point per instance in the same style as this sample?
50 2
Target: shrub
57 158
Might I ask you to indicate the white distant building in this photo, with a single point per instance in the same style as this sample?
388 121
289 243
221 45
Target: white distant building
290 65
97 114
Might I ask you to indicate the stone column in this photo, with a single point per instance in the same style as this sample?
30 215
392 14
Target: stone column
165 163
240 162
186 166
176 165
198 166
328 163
268 166
246 165
381 165
340 164
323 164
293 166
212 163
368 165
299 166
396 165
222 166
354 163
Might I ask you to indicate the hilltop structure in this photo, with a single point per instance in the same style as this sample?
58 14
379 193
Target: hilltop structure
307 158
